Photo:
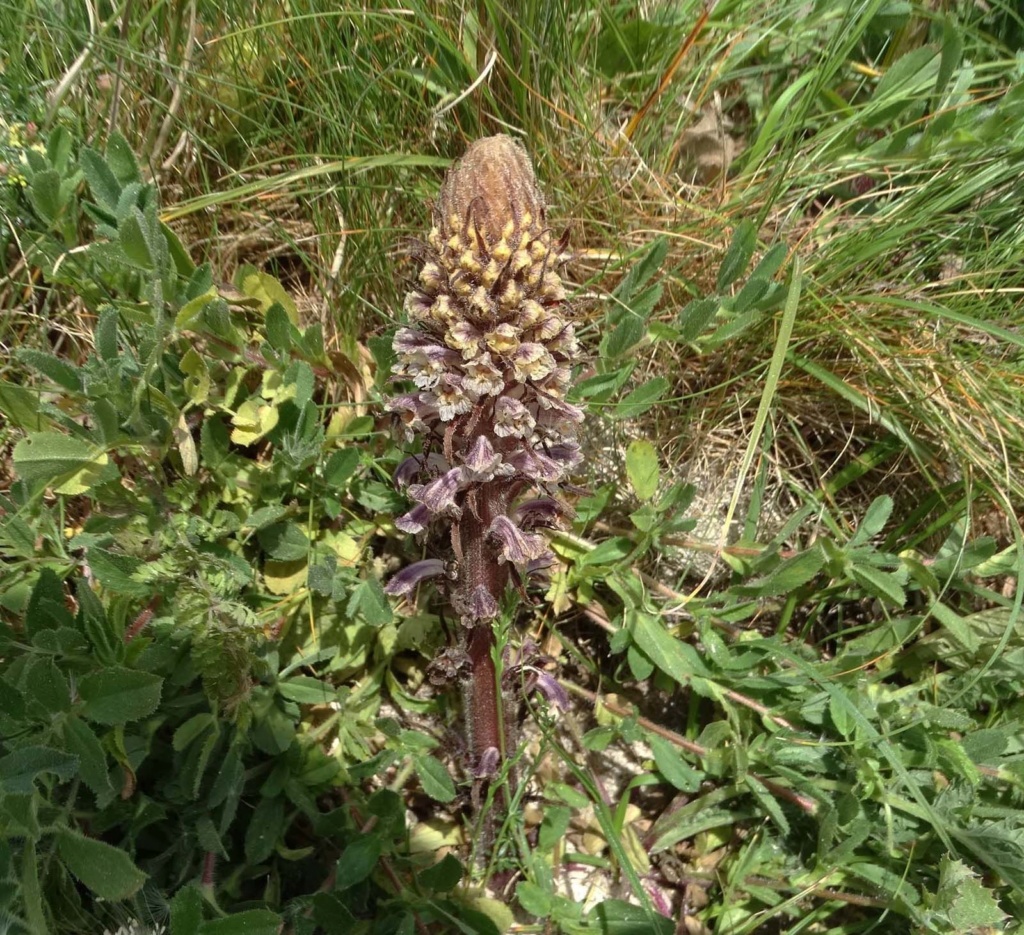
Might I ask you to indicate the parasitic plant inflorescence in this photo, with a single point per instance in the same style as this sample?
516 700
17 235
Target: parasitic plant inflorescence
489 351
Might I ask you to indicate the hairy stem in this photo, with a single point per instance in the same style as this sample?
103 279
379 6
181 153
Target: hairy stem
482 569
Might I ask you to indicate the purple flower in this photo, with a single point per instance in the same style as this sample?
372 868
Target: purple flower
567 453
536 466
549 687
532 362
542 512
464 337
565 412
512 418
480 607
452 401
516 546
482 461
417 307
482 377
416 465
414 409
487 767
542 564
410 576
565 342
409 340
415 520
549 327
439 494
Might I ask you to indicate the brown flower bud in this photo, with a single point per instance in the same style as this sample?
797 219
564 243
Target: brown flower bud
492 191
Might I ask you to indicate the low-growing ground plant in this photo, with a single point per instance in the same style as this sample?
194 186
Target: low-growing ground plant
777 642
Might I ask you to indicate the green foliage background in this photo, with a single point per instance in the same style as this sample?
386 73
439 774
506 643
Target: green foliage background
797 233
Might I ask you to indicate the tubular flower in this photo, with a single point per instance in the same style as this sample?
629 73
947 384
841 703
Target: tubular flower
490 353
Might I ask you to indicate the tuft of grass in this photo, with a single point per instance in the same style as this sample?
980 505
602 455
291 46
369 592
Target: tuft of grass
878 148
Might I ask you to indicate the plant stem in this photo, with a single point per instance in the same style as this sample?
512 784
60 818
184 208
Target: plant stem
481 568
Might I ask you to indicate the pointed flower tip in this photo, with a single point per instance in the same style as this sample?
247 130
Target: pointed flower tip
415 521
480 607
550 688
487 766
495 183
410 576
415 465
438 495
514 545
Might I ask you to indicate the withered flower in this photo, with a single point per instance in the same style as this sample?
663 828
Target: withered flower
490 352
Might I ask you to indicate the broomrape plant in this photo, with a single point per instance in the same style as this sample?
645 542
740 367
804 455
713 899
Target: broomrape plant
490 353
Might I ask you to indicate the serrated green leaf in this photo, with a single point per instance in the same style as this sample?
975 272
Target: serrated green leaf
340 466
739 254
121 159
106 333
81 741
54 368
195 726
874 521
434 778
102 183
31 893
641 271
114 571
627 333
768 803
534 899
274 732
771 262
443 876
11 702
191 310
253 420
675 658
672 766
229 780
881 584
249 922
304 689
602 386
133 240
44 192
279 327
177 253
285 542
611 550
791 574
197 376
265 829
373 603
46 607
48 456
20 405
267 290
108 871
186 910
696 316
357 861
118 695
956 626
642 468
641 399
46 685
19 769
754 289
